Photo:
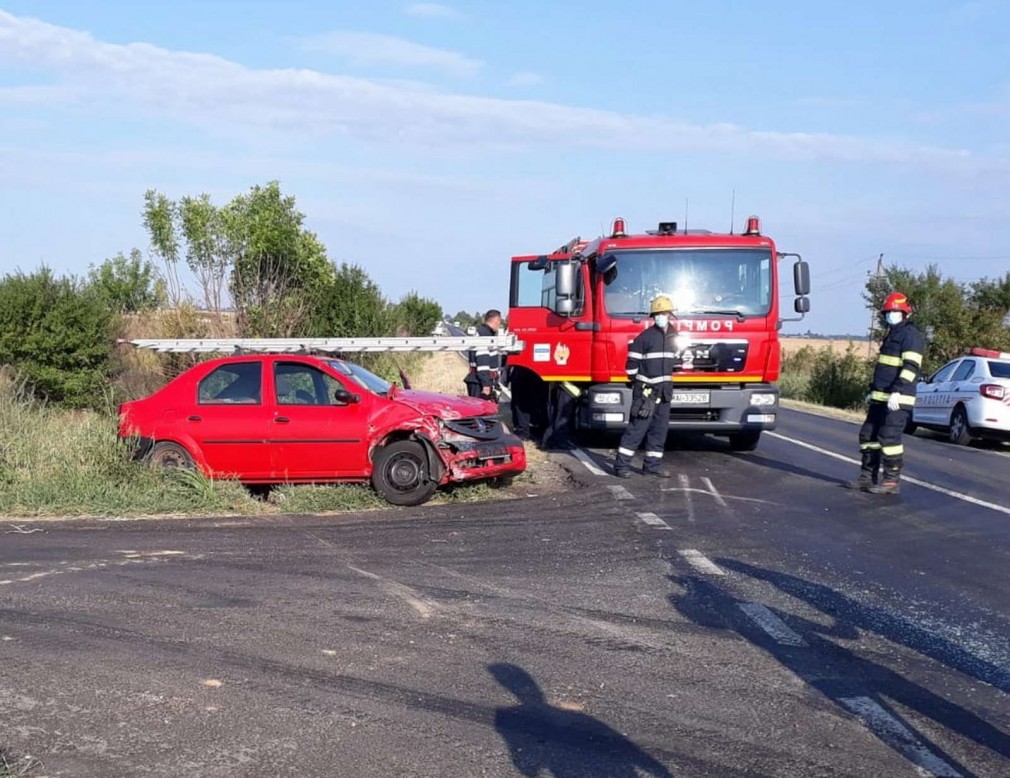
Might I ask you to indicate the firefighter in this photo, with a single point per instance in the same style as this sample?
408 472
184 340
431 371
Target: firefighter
891 397
650 366
485 367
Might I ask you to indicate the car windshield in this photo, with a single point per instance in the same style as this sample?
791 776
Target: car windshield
359 375
999 369
699 281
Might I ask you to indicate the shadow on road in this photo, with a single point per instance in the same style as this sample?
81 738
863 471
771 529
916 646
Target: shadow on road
785 467
838 672
565 743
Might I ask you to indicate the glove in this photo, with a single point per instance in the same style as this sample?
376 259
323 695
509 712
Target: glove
868 398
894 401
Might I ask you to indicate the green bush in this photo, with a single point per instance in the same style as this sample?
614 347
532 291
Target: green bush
839 380
57 334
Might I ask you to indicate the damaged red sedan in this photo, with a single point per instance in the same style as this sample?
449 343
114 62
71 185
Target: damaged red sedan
281 418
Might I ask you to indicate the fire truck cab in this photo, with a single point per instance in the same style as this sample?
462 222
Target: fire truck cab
577 309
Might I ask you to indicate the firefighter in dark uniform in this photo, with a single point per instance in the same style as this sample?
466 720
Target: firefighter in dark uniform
892 395
485 367
650 366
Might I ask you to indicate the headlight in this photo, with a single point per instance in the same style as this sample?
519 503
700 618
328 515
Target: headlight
607 398
762 398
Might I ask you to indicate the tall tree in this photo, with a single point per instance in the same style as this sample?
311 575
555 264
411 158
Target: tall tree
128 284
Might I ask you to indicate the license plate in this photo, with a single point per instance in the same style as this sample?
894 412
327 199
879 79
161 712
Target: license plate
689 398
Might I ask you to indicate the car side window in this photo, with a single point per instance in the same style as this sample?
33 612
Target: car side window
296 383
238 383
965 370
944 373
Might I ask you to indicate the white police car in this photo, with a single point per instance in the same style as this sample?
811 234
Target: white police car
967 398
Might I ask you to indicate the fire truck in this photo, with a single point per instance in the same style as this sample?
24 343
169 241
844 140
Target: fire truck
576 309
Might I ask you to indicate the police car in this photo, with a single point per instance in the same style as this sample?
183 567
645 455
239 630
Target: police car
967 398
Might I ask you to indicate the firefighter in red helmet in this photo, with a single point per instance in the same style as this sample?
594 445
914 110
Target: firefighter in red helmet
892 395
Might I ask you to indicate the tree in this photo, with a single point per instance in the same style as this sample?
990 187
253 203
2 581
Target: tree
57 334
955 316
415 315
255 247
128 284
348 305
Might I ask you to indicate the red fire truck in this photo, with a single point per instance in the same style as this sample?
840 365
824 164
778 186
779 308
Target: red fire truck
576 310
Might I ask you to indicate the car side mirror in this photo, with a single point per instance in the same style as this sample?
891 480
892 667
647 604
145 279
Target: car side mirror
345 397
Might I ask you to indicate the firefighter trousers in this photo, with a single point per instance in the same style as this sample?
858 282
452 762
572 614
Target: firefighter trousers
880 441
653 430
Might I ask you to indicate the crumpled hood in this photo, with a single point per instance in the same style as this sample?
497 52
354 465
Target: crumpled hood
444 406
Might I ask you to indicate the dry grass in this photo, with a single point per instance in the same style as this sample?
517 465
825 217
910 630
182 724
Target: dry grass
441 372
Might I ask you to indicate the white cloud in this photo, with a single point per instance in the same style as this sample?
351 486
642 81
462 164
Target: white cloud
525 78
368 49
432 11
228 97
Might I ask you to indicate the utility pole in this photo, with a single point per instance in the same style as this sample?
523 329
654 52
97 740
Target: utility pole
877 275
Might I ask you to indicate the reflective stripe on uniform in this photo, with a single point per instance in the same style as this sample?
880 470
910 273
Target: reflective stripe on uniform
654 454
892 451
660 379
626 452
632 371
571 388
483 369
912 356
634 355
884 359
660 355
883 397
871 446
907 375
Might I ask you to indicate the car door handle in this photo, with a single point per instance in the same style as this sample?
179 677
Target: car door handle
281 419
195 418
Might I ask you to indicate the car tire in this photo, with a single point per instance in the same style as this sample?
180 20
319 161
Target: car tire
400 473
744 441
960 432
170 456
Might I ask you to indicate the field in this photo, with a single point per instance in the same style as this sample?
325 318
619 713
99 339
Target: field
790 345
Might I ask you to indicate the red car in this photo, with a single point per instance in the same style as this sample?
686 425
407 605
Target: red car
272 418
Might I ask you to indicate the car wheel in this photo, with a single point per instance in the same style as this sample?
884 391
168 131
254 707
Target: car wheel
744 441
170 456
400 473
959 433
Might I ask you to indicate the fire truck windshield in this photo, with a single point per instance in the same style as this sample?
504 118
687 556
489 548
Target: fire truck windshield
700 281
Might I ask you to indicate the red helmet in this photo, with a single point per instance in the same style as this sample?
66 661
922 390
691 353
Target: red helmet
896 301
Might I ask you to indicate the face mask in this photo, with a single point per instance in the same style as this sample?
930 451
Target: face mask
661 320
893 317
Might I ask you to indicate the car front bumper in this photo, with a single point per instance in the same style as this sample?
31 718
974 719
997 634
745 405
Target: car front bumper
480 459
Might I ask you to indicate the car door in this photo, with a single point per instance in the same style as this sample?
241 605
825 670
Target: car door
313 435
229 421
956 390
928 397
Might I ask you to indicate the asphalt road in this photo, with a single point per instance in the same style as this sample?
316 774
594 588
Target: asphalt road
746 617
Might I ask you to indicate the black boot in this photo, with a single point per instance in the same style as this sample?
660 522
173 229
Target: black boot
890 483
868 470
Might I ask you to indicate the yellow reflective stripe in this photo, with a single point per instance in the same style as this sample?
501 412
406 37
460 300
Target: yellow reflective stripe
571 388
907 375
883 397
884 359
892 451
912 356
906 399
873 446
879 396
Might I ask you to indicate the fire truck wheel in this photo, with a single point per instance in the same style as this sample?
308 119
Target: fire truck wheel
170 456
400 473
744 441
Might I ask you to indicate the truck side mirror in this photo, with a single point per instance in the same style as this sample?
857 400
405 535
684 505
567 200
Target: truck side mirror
565 286
802 305
540 263
801 278
606 266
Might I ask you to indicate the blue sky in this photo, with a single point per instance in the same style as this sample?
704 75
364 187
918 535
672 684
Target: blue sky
429 142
